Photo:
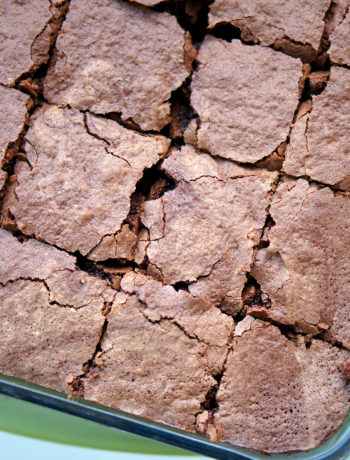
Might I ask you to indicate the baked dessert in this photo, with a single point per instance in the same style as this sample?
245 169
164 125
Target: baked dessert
174 211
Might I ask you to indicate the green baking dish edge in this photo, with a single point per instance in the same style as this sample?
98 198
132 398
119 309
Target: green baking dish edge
38 422
336 448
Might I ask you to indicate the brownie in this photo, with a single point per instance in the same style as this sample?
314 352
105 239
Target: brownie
174 186
25 35
211 257
340 48
269 22
51 314
279 396
13 106
83 201
104 66
318 147
249 109
303 268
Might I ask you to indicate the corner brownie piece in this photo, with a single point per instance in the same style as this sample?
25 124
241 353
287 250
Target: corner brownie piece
51 315
278 395
174 211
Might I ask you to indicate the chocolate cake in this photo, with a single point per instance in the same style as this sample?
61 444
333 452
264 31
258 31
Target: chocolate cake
174 185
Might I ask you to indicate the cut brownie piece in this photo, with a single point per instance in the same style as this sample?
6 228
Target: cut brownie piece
276 396
25 36
339 51
245 97
203 232
320 143
305 270
155 362
267 22
13 109
51 316
116 57
77 187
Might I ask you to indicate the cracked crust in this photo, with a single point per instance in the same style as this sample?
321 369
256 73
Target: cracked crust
284 397
297 150
13 109
107 67
305 269
268 22
53 342
152 384
319 145
21 52
77 289
246 113
339 51
196 316
203 232
24 260
46 338
87 195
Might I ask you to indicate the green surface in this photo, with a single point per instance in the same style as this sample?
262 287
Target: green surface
34 421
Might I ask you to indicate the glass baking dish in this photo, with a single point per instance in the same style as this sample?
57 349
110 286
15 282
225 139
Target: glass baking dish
116 430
